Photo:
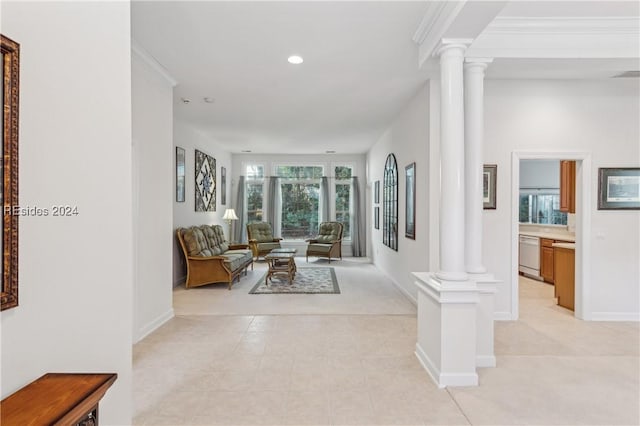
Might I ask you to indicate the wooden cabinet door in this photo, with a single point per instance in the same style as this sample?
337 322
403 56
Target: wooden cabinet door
568 186
546 264
565 277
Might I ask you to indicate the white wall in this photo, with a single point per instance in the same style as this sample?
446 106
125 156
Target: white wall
327 160
152 121
599 117
184 214
75 273
408 139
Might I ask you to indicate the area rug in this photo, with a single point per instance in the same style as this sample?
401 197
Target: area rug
313 280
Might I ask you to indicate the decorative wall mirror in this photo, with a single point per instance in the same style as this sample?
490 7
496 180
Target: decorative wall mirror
390 203
410 200
9 166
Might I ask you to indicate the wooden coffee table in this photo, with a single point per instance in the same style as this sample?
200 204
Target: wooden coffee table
281 261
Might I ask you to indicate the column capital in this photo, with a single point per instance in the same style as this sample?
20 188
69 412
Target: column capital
477 63
447 44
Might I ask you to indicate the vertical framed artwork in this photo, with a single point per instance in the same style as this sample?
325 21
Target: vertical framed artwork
376 192
9 166
180 169
619 188
223 186
410 201
390 203
205 182
376 217
489 177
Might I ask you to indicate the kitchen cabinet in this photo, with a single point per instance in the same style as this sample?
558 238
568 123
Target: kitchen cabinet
568 186
546 259
564 274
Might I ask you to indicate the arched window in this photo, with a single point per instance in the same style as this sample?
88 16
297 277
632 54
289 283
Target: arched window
390 203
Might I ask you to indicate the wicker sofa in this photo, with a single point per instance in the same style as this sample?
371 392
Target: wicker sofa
211 259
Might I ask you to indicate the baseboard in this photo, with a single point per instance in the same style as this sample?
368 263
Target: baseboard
154 325
485 361
180 281
431 369
442 380
615 316
502 316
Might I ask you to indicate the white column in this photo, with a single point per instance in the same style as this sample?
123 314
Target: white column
474 71
473 139
452 240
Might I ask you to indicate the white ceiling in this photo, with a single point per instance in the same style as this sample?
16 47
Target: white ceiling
360 66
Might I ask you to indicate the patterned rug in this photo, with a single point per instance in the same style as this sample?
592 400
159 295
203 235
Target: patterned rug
313 280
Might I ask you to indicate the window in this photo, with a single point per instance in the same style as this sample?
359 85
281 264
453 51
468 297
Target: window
255 192
343 176
543 208
300 186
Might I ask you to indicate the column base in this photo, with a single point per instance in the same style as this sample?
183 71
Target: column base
447 320
486 283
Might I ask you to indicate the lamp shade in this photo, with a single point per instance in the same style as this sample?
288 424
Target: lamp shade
230 214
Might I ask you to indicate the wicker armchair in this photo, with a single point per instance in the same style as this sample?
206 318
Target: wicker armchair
328 243
261 239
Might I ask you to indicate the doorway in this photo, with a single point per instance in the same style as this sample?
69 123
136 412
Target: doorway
582 226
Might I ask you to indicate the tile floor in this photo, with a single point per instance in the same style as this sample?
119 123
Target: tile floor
310 368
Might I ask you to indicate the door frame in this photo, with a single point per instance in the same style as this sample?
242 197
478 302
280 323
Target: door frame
583 226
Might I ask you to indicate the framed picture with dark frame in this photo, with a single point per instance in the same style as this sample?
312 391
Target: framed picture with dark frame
619 188
223 186
410 201
376 192
376 217
180 171
489 178
205 182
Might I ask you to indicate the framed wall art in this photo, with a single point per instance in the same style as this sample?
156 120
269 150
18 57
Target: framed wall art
376 192
223 186
180 169
410 201
619 188
205 182
10 96
390 203
376 217
489 177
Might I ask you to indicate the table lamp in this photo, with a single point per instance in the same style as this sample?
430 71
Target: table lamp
229 215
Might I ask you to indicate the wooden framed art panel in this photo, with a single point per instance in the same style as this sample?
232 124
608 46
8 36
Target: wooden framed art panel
223 186
10 93
180 174
489 177
410 201
619 188
205 182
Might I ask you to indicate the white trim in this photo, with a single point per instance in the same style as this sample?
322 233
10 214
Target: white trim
442 380
153 325
408 295
446 292
564 25
583 226
152 62
431 369
615 316
503 316
483 361
436 21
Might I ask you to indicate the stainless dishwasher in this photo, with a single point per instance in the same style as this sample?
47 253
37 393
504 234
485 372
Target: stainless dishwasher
529 258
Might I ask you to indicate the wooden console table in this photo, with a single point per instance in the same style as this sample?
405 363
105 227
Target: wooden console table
60 399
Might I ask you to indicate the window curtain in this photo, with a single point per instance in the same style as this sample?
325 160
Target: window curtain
274 203
357 236
324 200
240 231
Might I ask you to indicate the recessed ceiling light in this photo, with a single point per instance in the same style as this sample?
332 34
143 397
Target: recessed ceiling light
246 150
295 59
330 152
209 100
185 100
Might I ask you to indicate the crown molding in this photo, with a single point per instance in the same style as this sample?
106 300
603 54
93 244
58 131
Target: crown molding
146 57
437 19
567 26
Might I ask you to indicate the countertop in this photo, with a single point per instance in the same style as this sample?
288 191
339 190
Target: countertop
570 246
550 235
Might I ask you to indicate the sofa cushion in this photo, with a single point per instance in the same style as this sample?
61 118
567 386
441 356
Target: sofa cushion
319 248
260 231
205 241
329 232
237 258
